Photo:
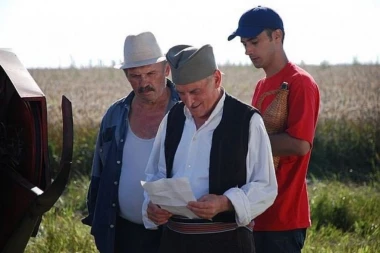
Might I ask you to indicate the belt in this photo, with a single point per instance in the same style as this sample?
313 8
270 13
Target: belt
199 226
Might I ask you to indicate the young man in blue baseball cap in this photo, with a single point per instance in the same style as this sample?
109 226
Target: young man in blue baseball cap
287 97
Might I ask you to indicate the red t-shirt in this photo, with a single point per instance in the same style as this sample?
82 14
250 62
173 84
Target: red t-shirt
290 209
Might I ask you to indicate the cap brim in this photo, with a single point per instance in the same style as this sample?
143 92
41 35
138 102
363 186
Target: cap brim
232 36
246 32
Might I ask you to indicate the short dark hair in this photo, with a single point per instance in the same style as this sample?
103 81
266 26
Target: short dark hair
269 33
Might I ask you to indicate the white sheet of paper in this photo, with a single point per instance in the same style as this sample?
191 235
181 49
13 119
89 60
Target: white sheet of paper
171 194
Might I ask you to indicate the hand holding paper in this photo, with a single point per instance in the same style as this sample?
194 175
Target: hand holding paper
171 194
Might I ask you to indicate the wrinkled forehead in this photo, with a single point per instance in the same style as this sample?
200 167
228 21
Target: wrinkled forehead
146 69
192 86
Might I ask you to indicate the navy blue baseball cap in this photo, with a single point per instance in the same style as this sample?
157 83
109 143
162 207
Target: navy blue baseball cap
256 20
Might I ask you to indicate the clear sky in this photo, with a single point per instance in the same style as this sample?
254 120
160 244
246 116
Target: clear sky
57 33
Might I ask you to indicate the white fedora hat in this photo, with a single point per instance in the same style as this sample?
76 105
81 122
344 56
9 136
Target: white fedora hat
141 50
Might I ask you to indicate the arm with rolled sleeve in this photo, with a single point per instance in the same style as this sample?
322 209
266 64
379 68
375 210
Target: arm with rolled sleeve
259 193
156 169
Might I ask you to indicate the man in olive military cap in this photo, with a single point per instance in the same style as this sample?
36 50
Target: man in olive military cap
218 143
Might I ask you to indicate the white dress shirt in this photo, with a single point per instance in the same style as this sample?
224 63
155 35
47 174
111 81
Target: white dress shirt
192 160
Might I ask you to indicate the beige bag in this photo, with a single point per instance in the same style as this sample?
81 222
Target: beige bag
276 115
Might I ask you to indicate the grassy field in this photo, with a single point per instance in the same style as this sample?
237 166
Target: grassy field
344 172
345 220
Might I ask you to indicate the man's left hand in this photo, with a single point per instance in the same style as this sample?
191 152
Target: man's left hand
210 205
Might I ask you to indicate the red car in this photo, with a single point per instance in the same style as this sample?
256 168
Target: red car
26 191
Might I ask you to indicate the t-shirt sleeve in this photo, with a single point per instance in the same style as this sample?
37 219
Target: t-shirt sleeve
303 108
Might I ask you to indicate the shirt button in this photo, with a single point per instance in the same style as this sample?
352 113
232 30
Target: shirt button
121 140
113 204
112 226
189 166
101 150
118 162
115 183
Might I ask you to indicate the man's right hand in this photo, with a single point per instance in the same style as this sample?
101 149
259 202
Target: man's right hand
157 215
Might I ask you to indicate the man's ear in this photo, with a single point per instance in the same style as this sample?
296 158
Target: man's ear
278 35
218 78
167 69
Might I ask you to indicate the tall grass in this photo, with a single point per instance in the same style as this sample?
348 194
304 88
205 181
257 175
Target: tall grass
61 229
345 220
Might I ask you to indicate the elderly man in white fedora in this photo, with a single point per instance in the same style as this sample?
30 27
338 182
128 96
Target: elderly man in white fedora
123 146
220 144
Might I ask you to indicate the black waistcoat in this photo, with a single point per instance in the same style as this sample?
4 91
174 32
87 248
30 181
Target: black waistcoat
228 151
